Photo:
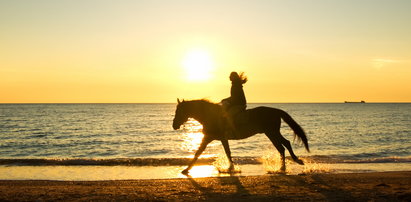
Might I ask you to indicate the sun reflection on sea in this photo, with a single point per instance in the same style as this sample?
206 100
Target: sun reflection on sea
203 171
192 136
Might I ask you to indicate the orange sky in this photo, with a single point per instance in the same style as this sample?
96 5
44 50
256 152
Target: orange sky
156 51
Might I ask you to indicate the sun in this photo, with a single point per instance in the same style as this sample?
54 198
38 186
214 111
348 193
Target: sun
198 65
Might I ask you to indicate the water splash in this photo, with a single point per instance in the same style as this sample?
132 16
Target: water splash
271 162
310 167
223 166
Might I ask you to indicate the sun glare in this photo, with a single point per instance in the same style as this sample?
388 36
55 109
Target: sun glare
192 135
198 65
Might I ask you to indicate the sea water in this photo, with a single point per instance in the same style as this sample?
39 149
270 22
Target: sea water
139 138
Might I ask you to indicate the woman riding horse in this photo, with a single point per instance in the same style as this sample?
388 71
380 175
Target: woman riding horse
231 121
262 120
236 104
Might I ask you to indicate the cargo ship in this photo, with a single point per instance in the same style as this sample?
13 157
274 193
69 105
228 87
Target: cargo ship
362 101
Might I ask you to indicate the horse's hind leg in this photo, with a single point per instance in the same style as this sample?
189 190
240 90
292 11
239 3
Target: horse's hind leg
277 143
228 154
287 144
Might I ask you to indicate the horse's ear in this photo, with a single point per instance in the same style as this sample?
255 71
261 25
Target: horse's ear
178 101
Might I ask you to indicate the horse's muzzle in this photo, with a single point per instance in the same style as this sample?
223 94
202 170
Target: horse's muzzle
176 126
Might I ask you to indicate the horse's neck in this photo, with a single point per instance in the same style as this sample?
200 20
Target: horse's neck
197 114
201 113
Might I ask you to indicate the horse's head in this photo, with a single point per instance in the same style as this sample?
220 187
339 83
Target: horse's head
181 115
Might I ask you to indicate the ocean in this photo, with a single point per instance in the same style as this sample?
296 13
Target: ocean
130 138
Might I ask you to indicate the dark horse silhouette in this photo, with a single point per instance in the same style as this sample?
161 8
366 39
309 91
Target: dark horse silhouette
260 120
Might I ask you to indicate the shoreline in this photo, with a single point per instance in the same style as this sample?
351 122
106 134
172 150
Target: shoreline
373 186
121 172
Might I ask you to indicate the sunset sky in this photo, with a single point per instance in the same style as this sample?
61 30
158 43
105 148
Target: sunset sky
156 51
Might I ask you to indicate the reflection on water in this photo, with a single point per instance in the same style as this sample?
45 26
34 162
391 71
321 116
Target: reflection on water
91 173
192 135
203 171
350 132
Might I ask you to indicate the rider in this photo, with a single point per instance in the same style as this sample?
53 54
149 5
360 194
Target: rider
236 103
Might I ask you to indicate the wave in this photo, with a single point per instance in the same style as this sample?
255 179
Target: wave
355 159
184 161
117 162
393 159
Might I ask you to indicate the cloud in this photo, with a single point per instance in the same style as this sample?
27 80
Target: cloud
379 63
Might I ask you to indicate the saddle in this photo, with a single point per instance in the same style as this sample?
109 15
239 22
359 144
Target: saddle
235 118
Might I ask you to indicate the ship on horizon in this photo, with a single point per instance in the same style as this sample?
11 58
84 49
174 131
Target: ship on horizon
362 101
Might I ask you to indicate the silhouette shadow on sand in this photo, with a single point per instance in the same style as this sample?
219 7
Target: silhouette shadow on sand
231 182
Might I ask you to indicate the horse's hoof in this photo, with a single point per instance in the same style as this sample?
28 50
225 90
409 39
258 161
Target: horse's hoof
229 171
299 161
185 172
277 172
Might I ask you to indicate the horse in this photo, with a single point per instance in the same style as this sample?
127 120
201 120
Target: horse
261 119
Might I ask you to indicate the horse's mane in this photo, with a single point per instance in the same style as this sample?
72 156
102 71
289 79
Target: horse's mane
204 102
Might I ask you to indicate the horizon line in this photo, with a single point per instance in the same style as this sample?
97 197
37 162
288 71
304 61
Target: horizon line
343 102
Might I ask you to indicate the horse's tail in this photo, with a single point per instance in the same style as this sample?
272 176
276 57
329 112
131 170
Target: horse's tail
298 131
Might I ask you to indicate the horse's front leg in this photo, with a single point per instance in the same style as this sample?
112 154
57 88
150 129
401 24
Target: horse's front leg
200 150
228 153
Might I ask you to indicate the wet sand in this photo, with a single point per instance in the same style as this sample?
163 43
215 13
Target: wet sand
378 186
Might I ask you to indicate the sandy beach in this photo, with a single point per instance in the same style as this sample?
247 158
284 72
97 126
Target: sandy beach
377 186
